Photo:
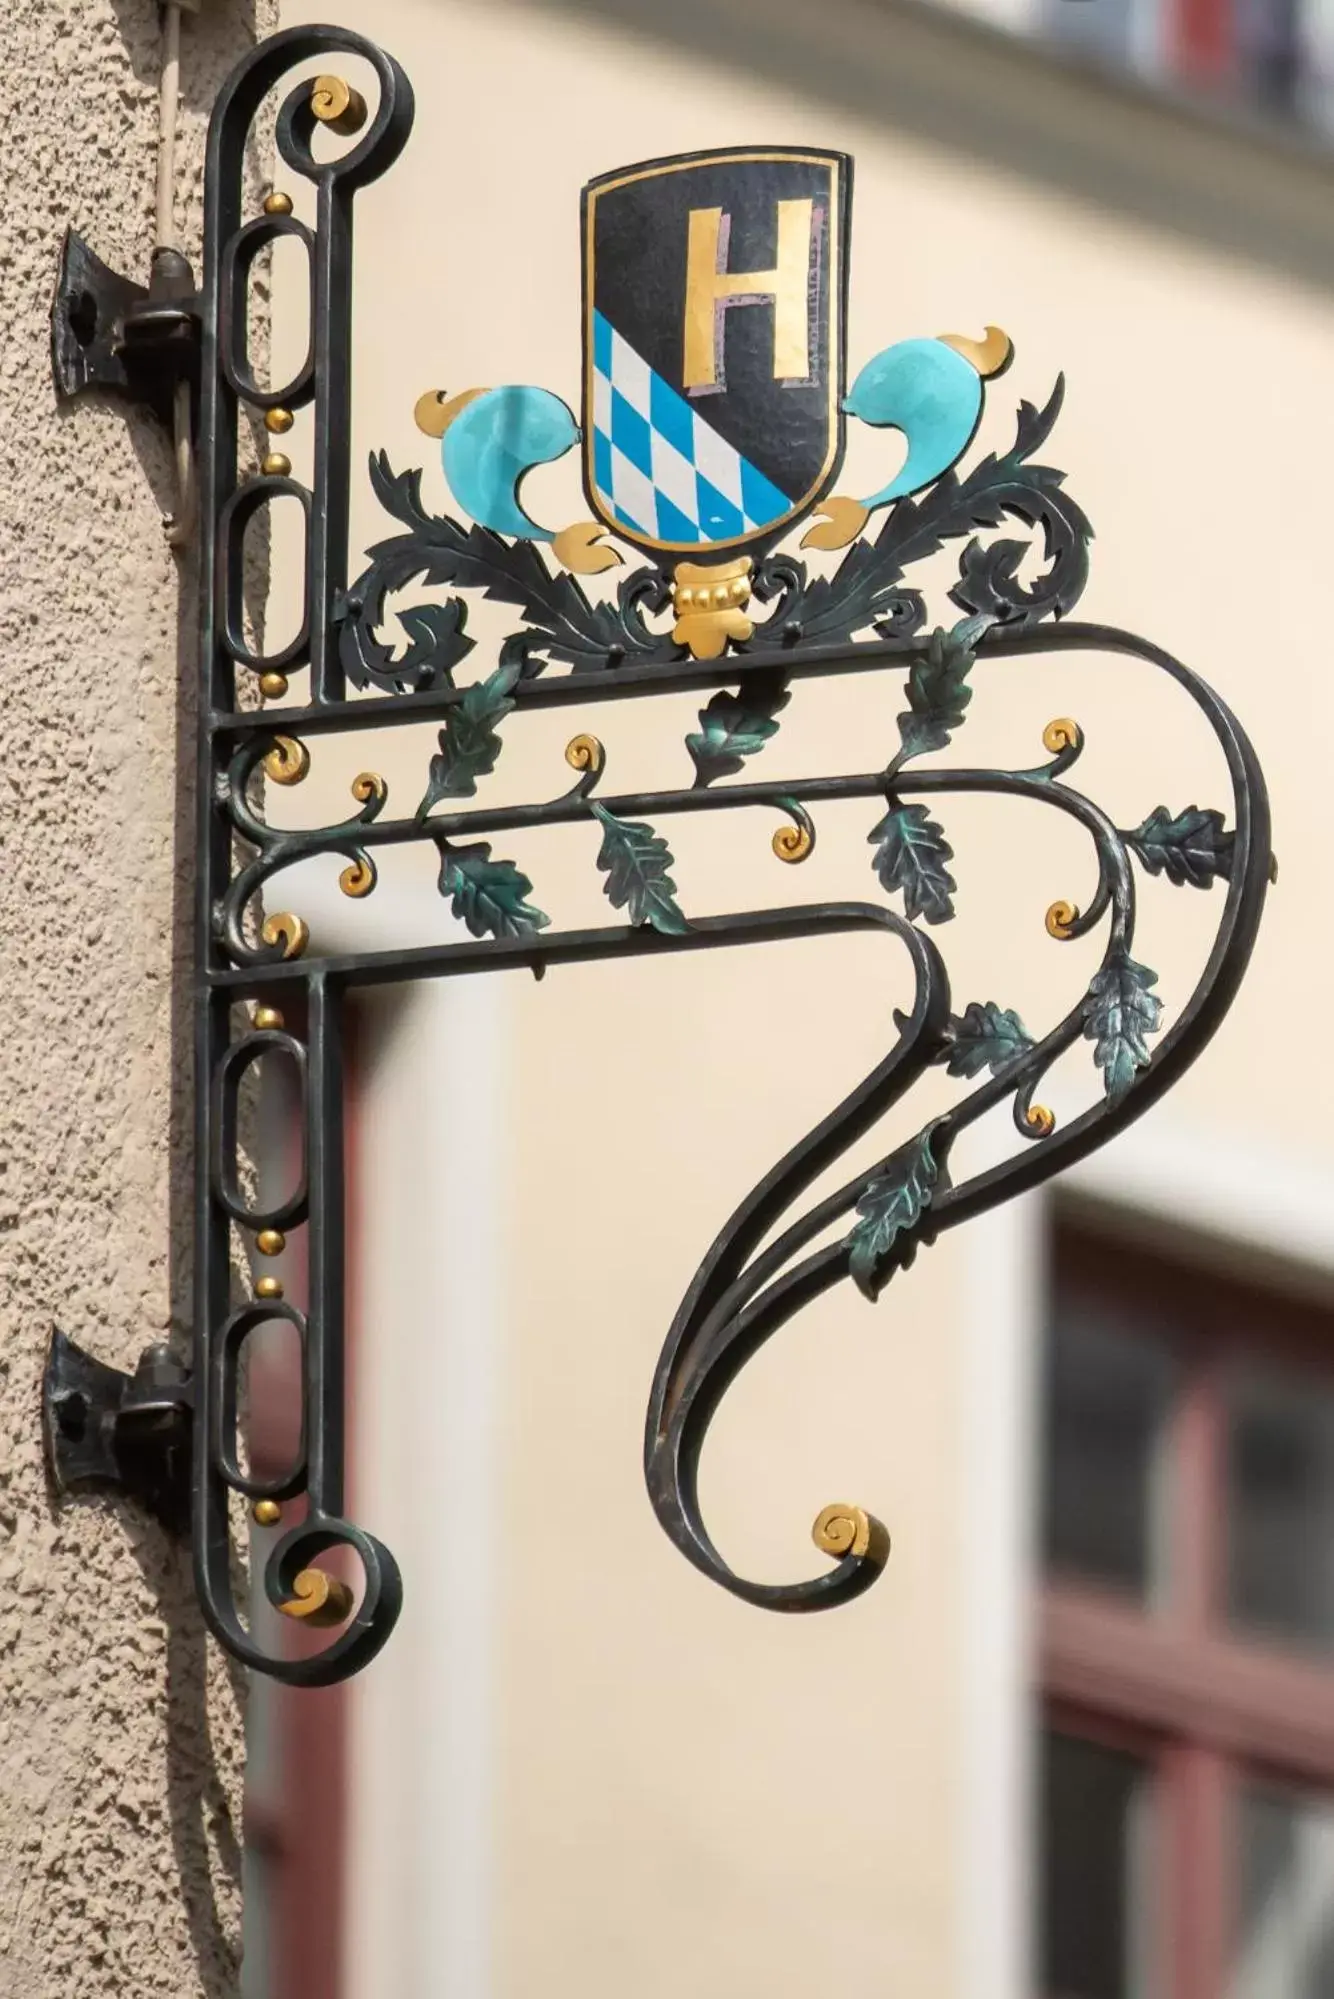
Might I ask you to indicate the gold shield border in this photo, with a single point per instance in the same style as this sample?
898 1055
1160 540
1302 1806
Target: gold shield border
835 163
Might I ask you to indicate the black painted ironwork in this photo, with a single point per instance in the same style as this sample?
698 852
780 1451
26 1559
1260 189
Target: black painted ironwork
266 992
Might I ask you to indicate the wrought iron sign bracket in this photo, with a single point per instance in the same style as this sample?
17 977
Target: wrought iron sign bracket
697 462
125 339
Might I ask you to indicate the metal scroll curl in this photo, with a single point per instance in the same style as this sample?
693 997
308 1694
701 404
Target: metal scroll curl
741 1298
267 993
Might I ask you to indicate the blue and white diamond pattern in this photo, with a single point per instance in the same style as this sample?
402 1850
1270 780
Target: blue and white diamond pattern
658 467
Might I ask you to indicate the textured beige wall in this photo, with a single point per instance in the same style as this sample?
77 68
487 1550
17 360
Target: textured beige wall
120 1732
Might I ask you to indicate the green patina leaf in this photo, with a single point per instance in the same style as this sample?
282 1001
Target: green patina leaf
635 861
938 690
488 895
1119 1011
734 727
893 1203
1193 848
911 852
469 745
985 1036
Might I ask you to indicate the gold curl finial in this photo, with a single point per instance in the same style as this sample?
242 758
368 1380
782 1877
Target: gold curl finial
580 549
838 521
358 878
318 1598
1064 733
337 105
1061 919
793 843
585 753
288 761
292 932
368 785
841 1530
991 355
1040 1121
436 410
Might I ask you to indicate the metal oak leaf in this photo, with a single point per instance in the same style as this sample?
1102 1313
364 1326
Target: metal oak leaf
734 727
635 861
469 745
985 1036
911 852
938 690
490 896
1194 847
1119 1010
892 1204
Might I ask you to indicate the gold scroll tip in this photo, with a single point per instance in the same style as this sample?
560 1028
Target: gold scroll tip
841 1530
991 355
437 409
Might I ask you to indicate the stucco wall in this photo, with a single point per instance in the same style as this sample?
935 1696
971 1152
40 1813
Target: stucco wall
120 1732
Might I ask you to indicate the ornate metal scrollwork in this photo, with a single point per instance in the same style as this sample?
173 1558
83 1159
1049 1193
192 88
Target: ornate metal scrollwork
745 634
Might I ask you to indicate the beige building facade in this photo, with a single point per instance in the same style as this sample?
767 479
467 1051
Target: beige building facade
578 1766
578 1760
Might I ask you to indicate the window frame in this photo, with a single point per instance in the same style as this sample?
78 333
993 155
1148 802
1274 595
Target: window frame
1129 1673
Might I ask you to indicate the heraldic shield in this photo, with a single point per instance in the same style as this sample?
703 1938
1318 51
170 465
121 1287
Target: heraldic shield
714 343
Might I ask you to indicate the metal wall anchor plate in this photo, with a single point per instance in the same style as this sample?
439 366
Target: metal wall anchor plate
124 1432
127 339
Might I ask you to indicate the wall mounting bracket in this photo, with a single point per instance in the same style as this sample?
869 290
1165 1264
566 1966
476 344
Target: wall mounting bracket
126 339
121 1432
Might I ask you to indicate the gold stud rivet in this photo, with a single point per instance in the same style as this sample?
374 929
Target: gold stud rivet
266 1513
277 204
275 464
270 1242
273 686
267 1017
278 422
269 1287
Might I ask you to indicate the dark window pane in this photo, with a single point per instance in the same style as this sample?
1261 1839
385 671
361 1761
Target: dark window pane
1269 51
1097 1872
1280 1504
1111 1382
1100 27
1285 1947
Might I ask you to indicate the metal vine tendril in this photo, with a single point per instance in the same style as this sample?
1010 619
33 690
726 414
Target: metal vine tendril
862 618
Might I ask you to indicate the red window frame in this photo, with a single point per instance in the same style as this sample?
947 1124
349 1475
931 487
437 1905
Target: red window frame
1205 1706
